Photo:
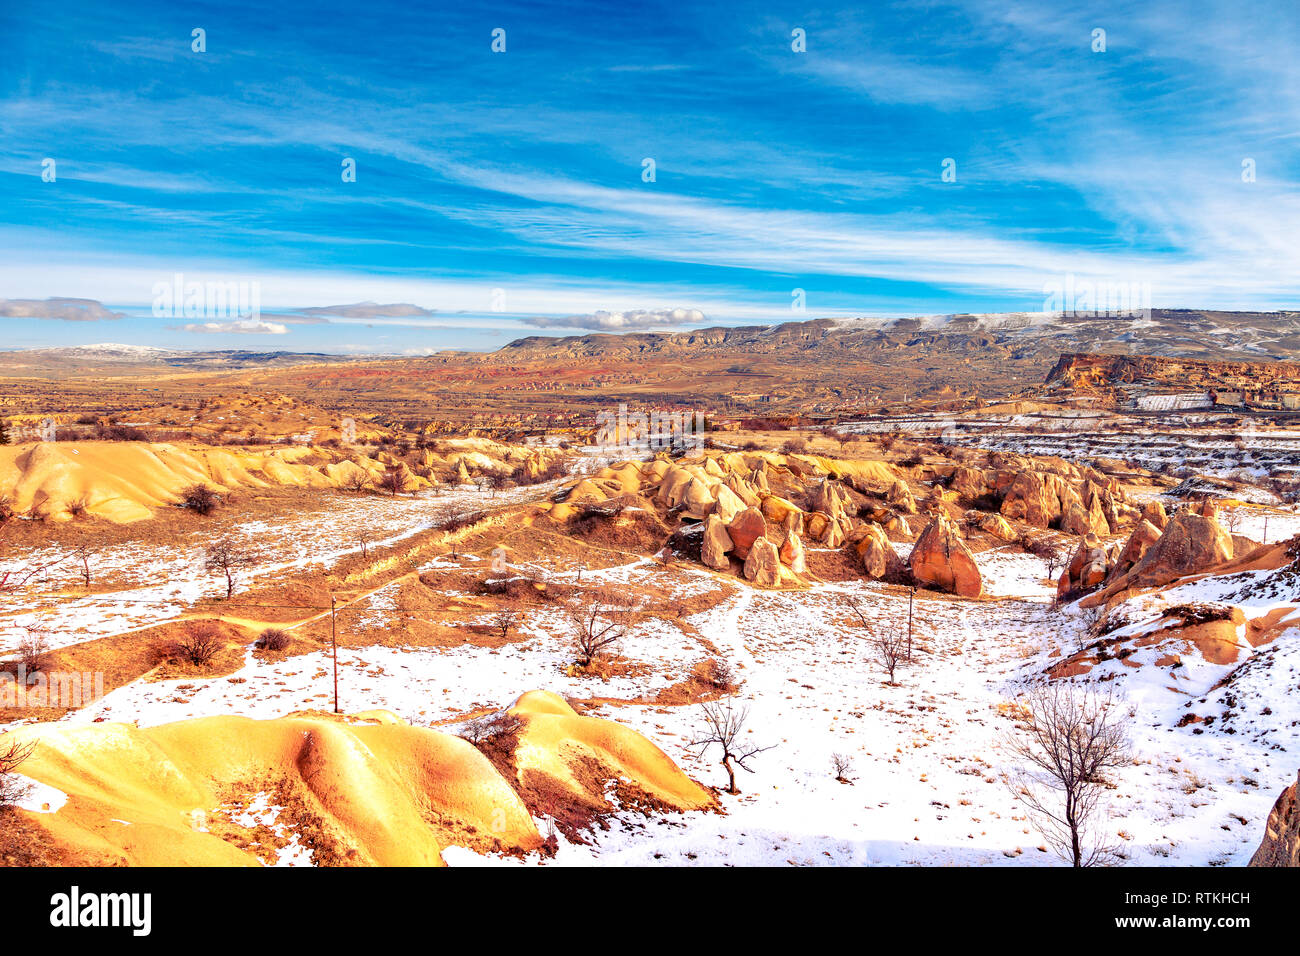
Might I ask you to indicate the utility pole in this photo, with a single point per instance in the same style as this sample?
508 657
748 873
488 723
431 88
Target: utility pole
911 593
1265 541
334 642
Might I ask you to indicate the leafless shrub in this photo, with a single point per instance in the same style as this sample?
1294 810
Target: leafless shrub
197 646
459 518
33 650
200 499
272 639
723 726
12 754
120 433
225 557
482 730
357 481
598 624
1072 737
1092 622
78 507
720 674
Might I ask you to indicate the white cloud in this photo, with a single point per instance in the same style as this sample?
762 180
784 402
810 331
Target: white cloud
240 327
620 321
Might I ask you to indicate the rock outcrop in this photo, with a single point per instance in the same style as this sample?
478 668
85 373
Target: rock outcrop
940 560
1139 543
1075 500
1189 543
716 544
1087 568
900 496
1281 843
1154 512
994 525
879 559
748 527
763 565
792 552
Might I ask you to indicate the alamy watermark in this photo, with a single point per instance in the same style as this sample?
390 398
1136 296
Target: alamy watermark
47 430
223 299
1086 298
634 432
66 689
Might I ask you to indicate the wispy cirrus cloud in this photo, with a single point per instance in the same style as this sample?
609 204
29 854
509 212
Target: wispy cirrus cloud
368 310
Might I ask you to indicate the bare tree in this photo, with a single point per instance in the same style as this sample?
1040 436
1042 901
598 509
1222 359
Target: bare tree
15 580
842 766
396 480
598 624
500 481
357 481
1073 736
225 557
505 621
12 754
889 648
1055 560
723 726
363 537
82 553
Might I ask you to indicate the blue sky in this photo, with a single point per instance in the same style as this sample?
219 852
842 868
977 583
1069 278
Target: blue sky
503 193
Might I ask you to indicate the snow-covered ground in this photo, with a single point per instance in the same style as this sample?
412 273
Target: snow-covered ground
926 754
152 583
1206 443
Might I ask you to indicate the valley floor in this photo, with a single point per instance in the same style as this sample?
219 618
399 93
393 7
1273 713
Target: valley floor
926 753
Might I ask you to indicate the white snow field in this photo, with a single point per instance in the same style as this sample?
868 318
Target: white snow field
926 754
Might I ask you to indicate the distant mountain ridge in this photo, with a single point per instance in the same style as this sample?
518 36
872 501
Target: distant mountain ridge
1248 336
820 366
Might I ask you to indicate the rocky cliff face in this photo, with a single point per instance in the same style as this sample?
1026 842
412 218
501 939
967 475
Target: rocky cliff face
1281 844
1088 371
